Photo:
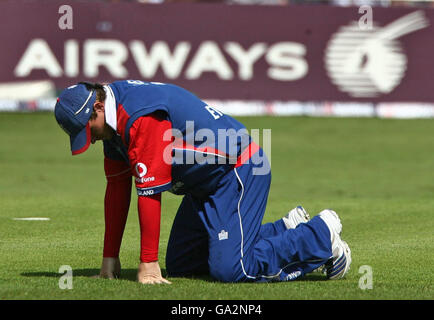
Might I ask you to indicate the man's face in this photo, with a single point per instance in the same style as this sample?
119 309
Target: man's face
98 127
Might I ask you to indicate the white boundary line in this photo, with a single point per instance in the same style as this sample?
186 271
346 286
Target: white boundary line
32 219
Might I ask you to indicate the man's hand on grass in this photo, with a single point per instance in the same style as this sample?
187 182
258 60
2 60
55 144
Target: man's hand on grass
110 268
150 273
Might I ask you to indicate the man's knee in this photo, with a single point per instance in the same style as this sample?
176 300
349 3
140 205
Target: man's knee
182 265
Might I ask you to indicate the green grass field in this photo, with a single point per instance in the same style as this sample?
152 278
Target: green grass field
377 174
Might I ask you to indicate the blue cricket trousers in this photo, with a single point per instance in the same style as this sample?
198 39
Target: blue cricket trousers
223 235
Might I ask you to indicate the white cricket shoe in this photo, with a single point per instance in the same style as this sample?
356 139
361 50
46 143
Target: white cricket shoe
295 217
338 266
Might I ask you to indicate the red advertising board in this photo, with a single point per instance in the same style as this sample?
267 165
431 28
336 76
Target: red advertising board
299 53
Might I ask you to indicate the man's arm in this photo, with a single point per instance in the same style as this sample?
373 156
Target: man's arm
152 176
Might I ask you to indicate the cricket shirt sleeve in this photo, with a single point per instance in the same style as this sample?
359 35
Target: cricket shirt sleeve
149 153
149 218
116 204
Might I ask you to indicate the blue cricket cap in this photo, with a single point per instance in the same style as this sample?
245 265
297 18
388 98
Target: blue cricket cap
72 111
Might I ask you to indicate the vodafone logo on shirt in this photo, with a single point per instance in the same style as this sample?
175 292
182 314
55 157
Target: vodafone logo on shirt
141 171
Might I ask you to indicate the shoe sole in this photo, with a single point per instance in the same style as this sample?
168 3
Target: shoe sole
336 227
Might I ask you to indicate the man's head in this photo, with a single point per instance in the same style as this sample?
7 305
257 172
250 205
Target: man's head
80 112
